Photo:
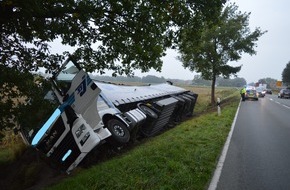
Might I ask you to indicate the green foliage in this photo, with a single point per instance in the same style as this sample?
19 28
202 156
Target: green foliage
208 49
21 97
115 35
5 156
153 79
286 74
11 146
135 33
11 94
235 82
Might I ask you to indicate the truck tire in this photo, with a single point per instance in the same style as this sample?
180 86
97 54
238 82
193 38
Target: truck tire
148 111
119 130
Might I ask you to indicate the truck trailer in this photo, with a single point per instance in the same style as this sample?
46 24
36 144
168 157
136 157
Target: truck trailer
85 113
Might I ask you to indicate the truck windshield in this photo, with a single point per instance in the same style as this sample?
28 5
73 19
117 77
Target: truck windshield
62 79
44 110
40 111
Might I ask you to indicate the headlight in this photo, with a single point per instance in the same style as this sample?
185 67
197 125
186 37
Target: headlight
85 138
80 130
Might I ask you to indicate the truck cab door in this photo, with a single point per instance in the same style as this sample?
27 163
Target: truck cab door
82 97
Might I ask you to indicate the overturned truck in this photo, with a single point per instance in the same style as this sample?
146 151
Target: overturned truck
87 113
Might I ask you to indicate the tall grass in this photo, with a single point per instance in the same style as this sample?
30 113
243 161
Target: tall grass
181 158
204 96
11 146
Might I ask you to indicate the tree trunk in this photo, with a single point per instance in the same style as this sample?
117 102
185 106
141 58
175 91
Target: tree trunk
213 89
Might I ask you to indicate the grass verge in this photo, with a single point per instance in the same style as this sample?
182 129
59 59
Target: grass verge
184 157
5 155
11 147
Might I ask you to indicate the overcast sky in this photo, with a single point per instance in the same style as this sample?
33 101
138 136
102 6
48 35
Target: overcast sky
273 48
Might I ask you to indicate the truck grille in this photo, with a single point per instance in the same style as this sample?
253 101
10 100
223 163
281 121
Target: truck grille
67 144
51 136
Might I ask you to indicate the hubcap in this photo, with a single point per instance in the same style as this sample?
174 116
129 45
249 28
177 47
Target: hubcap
118 130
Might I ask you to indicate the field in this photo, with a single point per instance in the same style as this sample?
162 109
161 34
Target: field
183 157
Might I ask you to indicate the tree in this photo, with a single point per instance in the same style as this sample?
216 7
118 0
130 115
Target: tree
208 49
16 97
108 34
236 82
117 35
153 79
198 80
286 74
271 83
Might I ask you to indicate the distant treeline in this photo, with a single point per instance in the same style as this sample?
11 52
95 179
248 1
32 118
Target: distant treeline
197 80
220 81
149 79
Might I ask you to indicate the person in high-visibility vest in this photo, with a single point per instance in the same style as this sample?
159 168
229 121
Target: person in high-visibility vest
243 92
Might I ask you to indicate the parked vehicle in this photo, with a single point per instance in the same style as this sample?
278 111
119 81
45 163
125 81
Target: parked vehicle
261 93
87 113
268 91
252 94
284 93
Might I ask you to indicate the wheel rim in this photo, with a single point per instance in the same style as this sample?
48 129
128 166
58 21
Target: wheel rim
118 130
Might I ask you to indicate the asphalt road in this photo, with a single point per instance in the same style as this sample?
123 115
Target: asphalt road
259 151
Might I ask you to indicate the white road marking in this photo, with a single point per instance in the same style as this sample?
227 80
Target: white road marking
280 103
218 170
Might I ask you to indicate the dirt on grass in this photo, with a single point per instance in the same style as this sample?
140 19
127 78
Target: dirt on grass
33 171
29 171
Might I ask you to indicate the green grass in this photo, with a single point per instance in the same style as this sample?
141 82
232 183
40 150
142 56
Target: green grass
204 96
184 157
11 147
5 155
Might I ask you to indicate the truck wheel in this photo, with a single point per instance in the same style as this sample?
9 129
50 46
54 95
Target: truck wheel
148 111
119 131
